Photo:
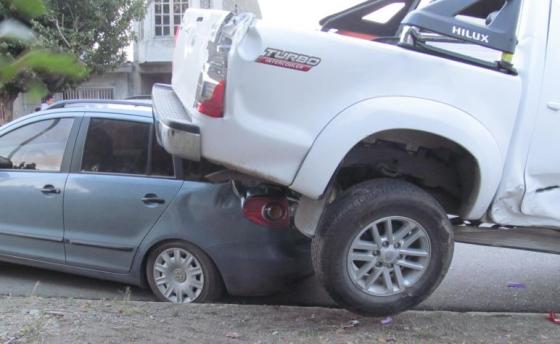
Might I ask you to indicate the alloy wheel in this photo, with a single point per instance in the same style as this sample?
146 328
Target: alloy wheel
388 256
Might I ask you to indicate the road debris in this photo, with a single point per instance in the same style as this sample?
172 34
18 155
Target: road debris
553 318
35 287
33 312
233 335
516 285
101 322
57 314
351 324
386 321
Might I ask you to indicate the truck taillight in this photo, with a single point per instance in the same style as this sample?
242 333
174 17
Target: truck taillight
212 82
210 95
266 211
177 32
212 103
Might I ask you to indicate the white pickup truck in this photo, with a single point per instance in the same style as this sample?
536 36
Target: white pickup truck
402 126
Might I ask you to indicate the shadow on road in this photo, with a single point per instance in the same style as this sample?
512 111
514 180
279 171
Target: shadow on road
477 281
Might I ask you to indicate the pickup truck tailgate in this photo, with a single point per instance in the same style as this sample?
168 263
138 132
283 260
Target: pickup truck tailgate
191 53
174 105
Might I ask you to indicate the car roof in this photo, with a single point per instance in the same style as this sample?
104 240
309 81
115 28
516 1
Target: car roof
141 109
102 103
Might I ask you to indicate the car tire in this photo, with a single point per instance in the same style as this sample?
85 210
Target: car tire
193 278
347 233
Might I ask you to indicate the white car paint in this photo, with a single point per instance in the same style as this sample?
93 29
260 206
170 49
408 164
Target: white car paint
294 128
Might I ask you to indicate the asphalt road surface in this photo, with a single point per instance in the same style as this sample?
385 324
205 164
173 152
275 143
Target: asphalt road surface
477 281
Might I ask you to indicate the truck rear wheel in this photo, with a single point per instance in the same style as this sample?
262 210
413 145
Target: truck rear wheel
383 247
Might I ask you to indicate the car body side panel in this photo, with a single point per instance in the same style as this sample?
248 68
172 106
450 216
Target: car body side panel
208 216
41 263
105 219
274 115
31 222
252 259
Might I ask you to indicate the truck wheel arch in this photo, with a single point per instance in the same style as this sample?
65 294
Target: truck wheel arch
377 115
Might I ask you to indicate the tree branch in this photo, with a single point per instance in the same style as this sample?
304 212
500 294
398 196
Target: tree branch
61 34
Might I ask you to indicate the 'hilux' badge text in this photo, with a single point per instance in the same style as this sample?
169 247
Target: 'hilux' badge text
459 31
287 59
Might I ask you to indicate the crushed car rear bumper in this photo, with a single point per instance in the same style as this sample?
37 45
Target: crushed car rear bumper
174 128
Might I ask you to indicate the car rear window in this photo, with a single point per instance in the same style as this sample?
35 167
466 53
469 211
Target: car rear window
162 162
123 147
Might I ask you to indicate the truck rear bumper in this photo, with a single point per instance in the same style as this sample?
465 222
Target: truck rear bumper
175 130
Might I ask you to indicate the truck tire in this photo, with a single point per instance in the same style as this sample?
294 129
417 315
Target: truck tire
382 247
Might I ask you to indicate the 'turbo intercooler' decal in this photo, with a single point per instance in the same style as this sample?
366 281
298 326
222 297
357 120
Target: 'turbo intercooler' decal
287 59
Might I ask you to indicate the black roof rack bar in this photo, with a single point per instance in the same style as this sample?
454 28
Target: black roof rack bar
64 103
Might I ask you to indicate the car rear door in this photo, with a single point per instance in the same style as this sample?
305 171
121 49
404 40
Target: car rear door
120 183
35 162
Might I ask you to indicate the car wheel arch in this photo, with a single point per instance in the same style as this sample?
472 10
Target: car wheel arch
155 244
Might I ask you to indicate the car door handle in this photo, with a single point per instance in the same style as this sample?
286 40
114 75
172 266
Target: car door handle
50 190
152 199
554 106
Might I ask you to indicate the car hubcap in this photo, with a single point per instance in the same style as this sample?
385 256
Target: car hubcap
178 275
389 256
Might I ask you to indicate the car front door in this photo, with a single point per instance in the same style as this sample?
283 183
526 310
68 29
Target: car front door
120 183
542 175
34 164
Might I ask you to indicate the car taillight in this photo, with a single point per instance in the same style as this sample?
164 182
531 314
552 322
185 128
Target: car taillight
267 211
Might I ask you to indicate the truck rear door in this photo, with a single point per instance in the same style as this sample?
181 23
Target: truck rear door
542 173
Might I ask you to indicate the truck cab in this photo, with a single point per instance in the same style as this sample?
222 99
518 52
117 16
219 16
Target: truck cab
400 126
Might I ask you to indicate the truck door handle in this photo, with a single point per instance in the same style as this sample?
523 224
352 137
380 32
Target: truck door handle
554 106
50 190
152 199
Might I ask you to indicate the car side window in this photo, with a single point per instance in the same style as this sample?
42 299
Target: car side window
37 146
162 162
116 146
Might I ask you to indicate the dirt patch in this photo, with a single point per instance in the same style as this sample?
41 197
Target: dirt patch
37 320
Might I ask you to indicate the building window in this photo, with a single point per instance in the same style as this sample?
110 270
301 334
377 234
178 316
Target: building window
205 4
168 16
87 93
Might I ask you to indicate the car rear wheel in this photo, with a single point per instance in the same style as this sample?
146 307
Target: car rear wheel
179 272
383 247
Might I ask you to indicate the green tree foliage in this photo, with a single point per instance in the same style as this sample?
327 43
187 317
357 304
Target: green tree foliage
49 45
98 31
21 60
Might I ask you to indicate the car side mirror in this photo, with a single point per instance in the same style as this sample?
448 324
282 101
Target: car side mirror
6 163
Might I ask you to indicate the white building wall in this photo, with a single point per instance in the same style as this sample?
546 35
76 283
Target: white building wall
152 48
